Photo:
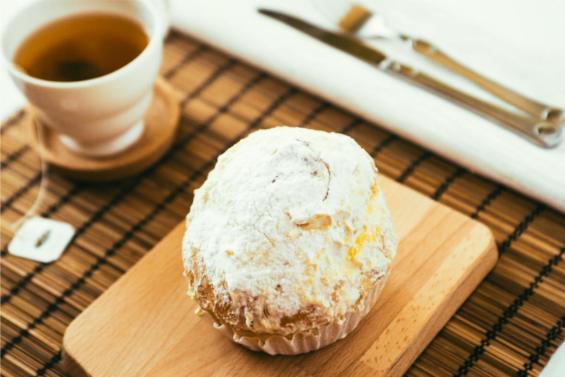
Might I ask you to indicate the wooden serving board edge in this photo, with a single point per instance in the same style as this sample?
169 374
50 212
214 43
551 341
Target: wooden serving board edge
437 319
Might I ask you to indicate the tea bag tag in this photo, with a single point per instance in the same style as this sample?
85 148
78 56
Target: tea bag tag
42 240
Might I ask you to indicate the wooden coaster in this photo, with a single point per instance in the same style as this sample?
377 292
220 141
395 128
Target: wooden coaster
161 122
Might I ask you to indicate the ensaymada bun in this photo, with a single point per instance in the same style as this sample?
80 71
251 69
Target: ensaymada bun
289 240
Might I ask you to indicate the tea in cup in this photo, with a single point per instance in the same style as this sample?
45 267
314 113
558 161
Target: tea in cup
87 67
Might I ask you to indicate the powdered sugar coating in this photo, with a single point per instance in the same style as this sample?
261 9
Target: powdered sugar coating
293 217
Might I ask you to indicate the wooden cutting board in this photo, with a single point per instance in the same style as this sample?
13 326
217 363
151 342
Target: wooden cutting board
145 325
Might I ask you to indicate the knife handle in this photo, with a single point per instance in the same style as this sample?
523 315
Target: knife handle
544 133
530 106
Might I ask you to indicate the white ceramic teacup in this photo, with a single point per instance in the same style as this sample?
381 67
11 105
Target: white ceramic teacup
100 116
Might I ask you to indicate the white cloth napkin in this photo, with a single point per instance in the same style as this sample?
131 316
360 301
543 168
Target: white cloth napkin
515 42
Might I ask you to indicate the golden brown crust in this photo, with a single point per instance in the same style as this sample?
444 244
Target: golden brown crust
303 342
250 316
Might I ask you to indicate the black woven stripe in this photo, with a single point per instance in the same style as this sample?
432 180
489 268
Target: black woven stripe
186 59
39 267
95 217
213 77
14 156
382 145
508 313
22 333
55 207
526 221
487 200
410 168
11 122
354 123
447 182
54 360
540 350
21 191
313 114
77 188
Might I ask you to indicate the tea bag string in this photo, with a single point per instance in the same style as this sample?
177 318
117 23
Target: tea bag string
14 226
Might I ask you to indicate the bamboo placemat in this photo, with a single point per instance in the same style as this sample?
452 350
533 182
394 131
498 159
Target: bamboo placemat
509 326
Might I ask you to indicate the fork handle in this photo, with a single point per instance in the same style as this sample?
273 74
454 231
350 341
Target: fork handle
542 132
530 106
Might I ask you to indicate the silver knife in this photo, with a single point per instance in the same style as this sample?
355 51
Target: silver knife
541 132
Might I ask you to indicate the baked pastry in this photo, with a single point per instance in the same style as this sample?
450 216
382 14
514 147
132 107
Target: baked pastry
289 240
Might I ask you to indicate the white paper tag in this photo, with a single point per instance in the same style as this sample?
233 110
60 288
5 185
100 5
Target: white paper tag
41 239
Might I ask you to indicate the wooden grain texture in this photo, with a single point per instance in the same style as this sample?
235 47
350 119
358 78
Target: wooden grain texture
145 324
161 122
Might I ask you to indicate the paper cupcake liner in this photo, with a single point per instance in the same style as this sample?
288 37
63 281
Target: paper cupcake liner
302 343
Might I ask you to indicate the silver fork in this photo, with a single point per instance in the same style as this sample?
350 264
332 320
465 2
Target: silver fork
367 25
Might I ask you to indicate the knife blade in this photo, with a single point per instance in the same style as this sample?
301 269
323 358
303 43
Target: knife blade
343 42
541 132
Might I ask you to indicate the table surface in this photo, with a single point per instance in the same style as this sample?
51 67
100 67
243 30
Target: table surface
510 325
